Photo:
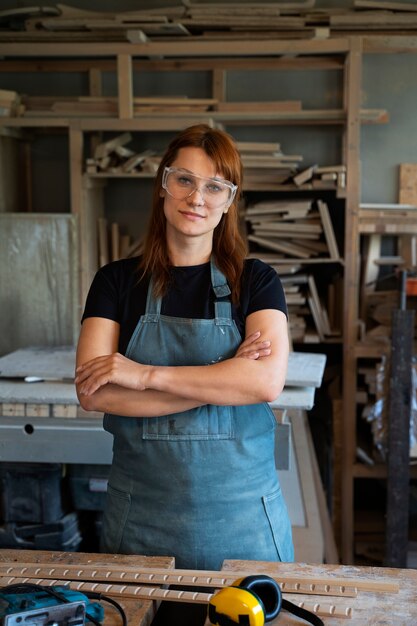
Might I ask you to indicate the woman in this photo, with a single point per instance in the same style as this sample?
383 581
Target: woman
182 349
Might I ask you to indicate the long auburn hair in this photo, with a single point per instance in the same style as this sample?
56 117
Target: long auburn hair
229 248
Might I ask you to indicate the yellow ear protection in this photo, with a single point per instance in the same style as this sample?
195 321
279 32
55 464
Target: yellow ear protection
252 601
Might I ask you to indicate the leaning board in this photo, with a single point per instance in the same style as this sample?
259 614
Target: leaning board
38 280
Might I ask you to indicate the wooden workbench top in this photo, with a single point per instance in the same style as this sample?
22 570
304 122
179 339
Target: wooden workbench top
369 608
357 596
138 612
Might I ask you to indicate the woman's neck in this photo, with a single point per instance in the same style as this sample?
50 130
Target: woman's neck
192 253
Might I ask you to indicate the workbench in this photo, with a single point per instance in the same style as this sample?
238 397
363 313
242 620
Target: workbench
361 596
43 422
138 612
369 608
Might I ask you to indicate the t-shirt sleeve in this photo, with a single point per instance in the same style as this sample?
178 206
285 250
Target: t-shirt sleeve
102 299
265 289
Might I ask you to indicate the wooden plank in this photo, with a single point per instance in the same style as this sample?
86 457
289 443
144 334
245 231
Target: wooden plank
281 246
37 393
154 593
277 105
328 230
304 176
55 362
295 398
407 244
372 20
352 98
219 79
390 6
331 554
101 568
177 48
125 86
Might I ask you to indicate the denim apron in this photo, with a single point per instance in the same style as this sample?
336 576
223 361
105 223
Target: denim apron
199 485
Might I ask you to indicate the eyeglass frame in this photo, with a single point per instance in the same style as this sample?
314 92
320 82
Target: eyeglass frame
233 188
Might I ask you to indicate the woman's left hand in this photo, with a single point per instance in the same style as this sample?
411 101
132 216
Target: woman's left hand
111 368
253 348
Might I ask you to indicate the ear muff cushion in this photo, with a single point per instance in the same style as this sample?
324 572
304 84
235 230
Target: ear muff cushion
267 590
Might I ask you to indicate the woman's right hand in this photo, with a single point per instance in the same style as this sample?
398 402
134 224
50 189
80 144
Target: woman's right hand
253 348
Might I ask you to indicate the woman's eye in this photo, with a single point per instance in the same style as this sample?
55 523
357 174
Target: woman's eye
184 181
214 188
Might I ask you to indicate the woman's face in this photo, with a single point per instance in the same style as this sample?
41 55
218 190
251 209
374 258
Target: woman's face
194 211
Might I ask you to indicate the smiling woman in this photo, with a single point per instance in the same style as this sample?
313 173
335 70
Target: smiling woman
182 349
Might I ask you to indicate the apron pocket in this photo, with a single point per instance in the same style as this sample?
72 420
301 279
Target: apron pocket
277 514
115 516
204 423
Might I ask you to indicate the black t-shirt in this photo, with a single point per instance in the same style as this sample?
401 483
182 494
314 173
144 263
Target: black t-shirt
116 293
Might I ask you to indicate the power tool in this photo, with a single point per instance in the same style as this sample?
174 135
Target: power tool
34 605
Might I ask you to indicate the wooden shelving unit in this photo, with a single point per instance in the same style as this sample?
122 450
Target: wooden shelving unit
341 54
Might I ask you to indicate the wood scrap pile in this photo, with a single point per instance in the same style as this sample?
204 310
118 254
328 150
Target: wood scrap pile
287 234
298 229
322 177
222 20
310 318
266 163
113 157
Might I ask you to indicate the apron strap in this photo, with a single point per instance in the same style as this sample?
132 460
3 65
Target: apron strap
153 305
222 305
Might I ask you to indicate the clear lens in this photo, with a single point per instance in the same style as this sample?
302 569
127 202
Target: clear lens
181 184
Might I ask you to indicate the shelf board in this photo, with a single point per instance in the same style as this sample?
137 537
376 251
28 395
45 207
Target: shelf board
379 470
121 175
178 120
371 351
174 49
317 260
287 187
34 122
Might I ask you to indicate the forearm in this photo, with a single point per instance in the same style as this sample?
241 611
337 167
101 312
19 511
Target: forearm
132 403
230 382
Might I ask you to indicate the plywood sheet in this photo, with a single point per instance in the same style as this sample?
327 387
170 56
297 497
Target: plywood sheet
38 280
56 362
305 369
37 393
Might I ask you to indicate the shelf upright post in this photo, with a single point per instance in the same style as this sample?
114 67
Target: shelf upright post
352 91
125 86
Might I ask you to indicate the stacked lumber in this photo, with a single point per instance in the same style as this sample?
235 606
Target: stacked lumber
213 20
113 157
85 106
265 162
308 316
293 229
312 318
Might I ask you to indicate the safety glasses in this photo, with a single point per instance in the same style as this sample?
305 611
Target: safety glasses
181 184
